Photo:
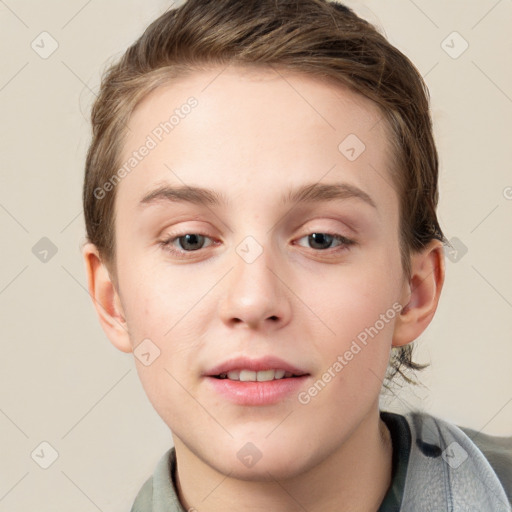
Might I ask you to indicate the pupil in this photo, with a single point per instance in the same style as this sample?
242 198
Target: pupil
320 239
188 241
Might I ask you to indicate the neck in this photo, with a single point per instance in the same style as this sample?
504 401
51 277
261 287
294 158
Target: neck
355 478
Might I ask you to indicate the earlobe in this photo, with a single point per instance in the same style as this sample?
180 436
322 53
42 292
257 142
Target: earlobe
106 299
421 293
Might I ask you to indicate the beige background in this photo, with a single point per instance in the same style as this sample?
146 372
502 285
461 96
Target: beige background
60 379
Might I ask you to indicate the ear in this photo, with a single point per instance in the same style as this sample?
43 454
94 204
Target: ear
106 299
421 293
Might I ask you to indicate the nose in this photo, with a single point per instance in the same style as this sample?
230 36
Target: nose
256 294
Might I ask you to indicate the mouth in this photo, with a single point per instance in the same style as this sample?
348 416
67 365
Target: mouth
252 382
257 376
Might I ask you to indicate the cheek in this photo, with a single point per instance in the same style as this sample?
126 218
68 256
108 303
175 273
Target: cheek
355 296
154 301
362 330
355 357
162 317
359 305
172 312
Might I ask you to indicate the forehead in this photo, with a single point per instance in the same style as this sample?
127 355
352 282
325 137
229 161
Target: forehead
260 127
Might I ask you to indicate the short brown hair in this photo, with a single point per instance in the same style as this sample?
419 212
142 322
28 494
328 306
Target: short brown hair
316 37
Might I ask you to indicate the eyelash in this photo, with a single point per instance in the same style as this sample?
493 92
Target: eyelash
345 243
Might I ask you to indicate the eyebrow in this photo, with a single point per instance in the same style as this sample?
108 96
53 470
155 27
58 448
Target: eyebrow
309 193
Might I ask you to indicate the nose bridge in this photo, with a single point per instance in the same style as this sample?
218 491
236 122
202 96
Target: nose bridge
254 291
252 275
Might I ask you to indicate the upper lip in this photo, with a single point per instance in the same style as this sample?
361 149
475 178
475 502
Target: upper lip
246 363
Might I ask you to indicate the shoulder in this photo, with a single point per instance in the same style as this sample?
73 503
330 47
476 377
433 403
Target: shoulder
144 500
158 493
498 451
449 468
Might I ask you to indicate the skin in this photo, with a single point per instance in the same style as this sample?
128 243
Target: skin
255 135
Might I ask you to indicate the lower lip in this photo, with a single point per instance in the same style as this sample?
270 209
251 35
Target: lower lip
257 393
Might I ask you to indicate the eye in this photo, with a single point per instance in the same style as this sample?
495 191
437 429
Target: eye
323 241
187 242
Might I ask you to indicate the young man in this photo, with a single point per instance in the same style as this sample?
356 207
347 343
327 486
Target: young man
260 199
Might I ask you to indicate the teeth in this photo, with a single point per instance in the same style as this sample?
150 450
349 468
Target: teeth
247 375
265 375
251 376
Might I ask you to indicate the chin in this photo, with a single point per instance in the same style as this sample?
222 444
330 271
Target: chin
263 471
273 461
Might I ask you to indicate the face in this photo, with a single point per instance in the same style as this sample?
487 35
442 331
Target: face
257 238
